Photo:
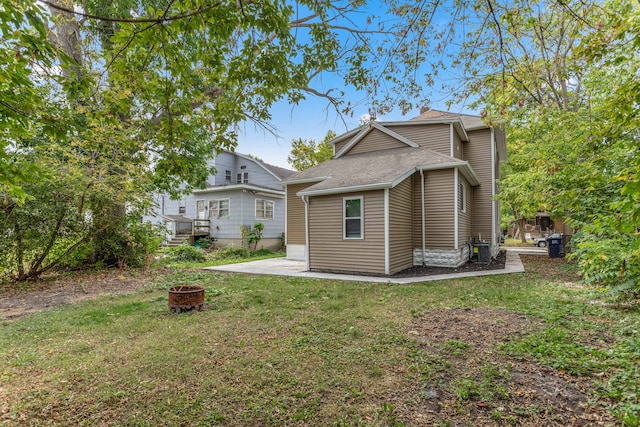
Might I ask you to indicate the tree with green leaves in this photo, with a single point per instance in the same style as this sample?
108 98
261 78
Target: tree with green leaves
138 96
306 154
564 79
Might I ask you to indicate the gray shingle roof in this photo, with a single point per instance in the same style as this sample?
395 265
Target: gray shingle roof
277 170
469 121
384 168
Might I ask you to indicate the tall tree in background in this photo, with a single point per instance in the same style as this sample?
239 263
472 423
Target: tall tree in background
306 154
565 78
134 96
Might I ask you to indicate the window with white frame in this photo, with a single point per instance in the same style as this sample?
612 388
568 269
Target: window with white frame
201 209
352 223
219 208
462 196
182 206
264 209
227 175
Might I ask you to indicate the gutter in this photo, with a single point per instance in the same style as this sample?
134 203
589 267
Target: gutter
339 190
303 180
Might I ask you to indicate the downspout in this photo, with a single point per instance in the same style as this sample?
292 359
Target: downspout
456 195
493 188
306 231
386 231
286 198
424 226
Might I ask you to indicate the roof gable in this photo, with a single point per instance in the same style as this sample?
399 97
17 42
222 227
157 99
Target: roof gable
366 131
277 172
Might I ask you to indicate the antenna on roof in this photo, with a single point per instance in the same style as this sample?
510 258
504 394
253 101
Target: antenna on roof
372 115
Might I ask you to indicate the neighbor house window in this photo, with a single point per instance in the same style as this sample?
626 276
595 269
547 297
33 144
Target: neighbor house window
242 178
201 209
219 208
352 224
462 197
264 209
182 207
227 175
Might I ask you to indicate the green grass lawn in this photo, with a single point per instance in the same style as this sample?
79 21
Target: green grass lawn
291 351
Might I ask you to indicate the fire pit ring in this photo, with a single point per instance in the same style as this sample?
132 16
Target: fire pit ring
186 297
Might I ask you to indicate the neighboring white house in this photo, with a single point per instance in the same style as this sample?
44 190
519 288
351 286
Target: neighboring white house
243 191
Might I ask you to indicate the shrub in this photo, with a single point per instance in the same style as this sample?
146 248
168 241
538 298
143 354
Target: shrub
185 253
231 253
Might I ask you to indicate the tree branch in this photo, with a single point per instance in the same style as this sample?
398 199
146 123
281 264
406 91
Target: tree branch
163 18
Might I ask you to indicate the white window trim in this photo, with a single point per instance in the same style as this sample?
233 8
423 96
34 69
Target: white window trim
463 196
217 201
344 217
273 209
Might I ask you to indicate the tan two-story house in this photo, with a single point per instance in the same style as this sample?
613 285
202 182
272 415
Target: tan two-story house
398 194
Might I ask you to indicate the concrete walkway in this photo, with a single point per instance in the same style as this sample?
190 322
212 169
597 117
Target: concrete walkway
286 267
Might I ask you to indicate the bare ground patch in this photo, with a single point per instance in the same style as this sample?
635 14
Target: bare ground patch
467 381
18 300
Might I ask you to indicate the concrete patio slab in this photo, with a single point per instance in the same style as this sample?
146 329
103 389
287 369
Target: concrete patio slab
286 267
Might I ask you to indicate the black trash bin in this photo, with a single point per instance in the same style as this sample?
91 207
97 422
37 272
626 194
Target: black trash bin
554 243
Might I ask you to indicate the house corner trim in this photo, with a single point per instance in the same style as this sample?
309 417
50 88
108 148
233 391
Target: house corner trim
386 232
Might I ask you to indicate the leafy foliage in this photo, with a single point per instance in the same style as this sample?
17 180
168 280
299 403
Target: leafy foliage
306 154
185 253
252 235
564 79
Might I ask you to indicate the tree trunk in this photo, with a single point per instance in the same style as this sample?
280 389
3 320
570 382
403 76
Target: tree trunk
523 234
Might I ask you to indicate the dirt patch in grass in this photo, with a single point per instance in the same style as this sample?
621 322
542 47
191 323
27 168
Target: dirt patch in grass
467 380
17 300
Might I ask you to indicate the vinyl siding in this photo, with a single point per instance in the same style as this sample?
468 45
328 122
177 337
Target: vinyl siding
401 226
295 233
464 218
435 137
375 141
236 164
478 154
328 251
458 146
340 145
439 206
